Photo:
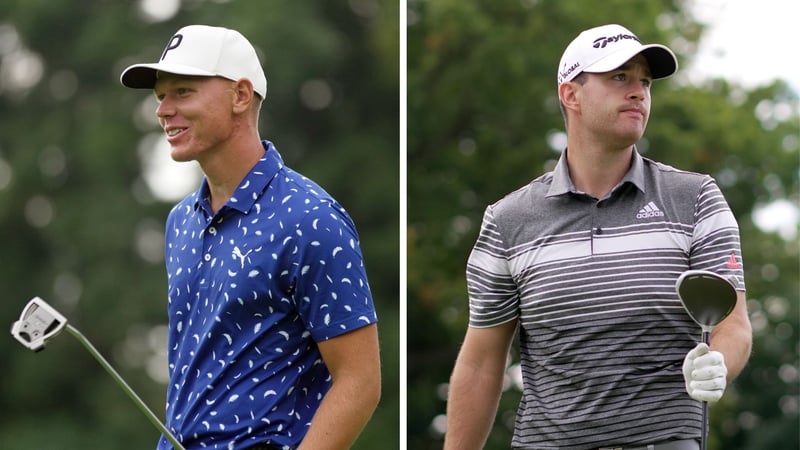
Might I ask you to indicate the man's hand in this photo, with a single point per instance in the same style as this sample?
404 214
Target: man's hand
704 372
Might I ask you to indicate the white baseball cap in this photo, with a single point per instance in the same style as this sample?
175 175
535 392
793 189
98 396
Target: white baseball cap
200 50
604 48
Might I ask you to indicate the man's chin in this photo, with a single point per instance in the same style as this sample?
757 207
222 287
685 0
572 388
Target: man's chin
631 138
179 156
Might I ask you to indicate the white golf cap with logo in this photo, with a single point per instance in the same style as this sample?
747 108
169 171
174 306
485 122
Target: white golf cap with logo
605 48
200 50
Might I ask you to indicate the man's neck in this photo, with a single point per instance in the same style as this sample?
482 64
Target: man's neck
596 170
226 169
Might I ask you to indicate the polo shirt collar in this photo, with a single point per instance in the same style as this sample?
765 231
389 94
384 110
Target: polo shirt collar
252 186
562 183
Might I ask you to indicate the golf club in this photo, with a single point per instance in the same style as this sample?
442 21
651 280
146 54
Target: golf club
708 298
39 322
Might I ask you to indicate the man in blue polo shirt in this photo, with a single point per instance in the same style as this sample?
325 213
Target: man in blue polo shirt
583 262
273 337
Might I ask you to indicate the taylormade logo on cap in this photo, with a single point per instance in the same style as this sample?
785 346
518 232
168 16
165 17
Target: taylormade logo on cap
601 42
607 47
200 50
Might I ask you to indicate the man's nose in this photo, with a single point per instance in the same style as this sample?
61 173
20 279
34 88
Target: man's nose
165 109
638 92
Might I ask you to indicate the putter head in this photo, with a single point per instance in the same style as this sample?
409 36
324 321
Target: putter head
37 323
706 296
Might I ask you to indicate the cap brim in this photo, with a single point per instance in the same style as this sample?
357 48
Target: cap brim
662 61
144 76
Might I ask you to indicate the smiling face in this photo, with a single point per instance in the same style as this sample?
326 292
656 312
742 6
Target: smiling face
613 107
196 114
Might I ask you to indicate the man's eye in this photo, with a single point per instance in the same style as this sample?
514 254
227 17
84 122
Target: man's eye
620 77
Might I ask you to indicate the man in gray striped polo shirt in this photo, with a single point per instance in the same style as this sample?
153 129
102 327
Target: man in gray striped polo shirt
583 262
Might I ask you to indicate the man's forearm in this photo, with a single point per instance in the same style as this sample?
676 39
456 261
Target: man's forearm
471 408
735 346
733 337
476 386
342 415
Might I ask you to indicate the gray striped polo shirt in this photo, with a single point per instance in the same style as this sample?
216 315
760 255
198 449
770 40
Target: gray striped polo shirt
592 284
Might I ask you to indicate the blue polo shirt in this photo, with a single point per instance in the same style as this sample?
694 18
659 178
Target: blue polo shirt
252 289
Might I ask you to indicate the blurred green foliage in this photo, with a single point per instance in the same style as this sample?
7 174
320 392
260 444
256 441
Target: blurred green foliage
81 229
483 120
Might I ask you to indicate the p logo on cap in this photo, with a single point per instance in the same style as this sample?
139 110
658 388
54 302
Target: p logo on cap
173 44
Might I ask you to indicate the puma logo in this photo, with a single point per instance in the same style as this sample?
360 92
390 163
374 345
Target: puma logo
238 254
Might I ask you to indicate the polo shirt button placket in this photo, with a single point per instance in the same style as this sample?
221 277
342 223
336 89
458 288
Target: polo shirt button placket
596 229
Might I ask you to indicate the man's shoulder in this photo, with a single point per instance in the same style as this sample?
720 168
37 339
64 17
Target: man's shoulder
298 187
526 195
670 171
299 199
671 178
285 184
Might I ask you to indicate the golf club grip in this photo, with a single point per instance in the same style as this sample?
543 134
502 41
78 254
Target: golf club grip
118 378
706 337
704 431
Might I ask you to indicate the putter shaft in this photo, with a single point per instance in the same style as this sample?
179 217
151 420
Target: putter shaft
118 378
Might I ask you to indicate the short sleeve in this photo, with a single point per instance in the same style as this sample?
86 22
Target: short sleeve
715 239
330 287
493 294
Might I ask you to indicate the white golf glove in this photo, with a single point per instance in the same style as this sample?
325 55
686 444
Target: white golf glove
704 372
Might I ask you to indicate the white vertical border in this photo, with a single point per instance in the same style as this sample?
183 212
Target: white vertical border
403 225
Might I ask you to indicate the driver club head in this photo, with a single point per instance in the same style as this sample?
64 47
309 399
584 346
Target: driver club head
706 296
37 323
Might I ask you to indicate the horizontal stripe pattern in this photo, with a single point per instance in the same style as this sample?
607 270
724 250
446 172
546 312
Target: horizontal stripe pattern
592 284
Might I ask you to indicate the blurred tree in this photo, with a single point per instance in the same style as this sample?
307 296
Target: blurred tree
483 120
82 210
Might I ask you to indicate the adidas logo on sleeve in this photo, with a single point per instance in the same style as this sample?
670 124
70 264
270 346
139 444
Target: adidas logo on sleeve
649 210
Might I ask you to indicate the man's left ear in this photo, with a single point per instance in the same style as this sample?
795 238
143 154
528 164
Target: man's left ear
244 95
